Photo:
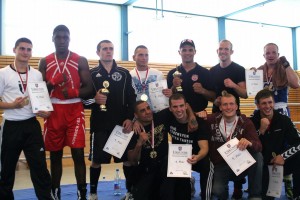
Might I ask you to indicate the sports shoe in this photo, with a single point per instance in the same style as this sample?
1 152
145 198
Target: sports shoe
81 194
55 193
237 194
128 196
193 190
93 196
288 188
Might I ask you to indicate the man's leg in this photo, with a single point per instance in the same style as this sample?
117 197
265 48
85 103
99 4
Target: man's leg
56 172
221 178
80 171
255 173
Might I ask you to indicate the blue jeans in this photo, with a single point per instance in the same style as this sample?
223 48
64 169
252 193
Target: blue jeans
223 174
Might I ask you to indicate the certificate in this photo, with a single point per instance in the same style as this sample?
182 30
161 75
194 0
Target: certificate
117 142
275 181
39 96
237 160
254 81
158 100
177 160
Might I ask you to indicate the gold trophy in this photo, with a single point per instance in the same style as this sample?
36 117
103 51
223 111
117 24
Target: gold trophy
177 74
104 91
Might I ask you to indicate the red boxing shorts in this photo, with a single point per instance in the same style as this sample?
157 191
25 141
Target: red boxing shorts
65 127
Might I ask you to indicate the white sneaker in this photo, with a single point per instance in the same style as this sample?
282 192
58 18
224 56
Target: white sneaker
129 196
93 196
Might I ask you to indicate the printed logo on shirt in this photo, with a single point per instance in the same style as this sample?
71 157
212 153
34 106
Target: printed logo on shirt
116 76
195 77
98 75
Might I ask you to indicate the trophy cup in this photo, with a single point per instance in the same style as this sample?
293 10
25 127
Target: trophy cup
177 74
104 91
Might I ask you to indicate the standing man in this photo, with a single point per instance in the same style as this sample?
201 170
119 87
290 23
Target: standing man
20 128
68 79
193 79
223 127
278 77
227 75
142 75
118 103
280 140
178 129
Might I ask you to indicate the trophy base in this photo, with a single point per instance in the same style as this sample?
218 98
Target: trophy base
179 89
103 108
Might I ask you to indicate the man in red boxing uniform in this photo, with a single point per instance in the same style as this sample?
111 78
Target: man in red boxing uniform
68 79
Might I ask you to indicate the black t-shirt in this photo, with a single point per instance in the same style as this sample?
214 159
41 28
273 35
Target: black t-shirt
199 74
218 74
160 140
180 135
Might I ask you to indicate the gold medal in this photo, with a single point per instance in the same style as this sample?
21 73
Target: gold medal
144 97
153 154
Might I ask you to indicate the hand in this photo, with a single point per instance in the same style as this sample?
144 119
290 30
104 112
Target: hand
193 160
192 124
100 98
264 124
19 102
198 88
167 92
253 68
177 81
70 93
217 101
59 78
138 127
127 126
43 114
229 83
202 114
243 144
143 138
284 62
278 160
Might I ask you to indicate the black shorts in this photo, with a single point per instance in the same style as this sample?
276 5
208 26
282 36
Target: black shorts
97 143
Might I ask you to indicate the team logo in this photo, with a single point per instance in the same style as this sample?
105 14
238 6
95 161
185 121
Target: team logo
195 77
116 76
156 84
98 75
179 148
228 145
36 85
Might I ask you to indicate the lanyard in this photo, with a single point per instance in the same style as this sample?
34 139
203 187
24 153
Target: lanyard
152 135
231 130
23 83
142 83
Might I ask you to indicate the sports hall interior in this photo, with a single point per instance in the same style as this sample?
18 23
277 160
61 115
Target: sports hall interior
248 25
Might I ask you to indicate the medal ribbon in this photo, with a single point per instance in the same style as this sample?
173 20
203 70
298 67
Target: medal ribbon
24 83
231 131
152 135
146 78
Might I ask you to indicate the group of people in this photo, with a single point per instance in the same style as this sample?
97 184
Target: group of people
117 96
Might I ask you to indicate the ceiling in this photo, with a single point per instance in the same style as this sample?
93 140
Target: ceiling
272 12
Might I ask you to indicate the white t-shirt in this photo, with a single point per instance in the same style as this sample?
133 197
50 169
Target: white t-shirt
141 80
11 88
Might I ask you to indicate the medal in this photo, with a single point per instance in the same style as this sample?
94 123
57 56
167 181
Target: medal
144 97
153 154
276 93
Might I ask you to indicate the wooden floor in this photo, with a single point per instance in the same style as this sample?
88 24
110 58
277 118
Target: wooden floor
23 180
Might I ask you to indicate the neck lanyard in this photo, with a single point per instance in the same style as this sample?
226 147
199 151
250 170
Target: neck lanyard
65 64
142 83
23 83
231 130
152 135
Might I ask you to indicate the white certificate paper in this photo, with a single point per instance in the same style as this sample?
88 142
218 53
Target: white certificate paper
39 96
117 142
275 181
254 81
237 160
177 160
158 100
